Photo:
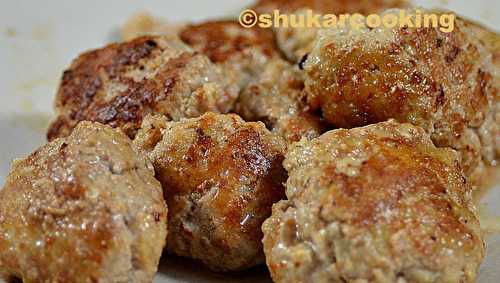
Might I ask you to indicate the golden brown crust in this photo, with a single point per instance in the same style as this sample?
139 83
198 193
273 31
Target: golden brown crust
276 98
121 83
443 82
378 203
241 52
85 208
220 177
220 40
488 37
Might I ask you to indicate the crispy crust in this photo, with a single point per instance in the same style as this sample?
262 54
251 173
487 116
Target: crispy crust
85 208
443 82
242 52
220 177
121 83
378 203
221 40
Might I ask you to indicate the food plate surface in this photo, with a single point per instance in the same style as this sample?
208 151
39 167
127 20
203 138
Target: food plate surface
38 40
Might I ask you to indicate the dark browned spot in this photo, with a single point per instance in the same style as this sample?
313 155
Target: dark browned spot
215 41
452 55
14 279
302 61
157 216
440 98
439 42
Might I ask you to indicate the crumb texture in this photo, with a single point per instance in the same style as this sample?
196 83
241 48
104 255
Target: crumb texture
220 177
276 98
445 83
373 204
85 208
121 83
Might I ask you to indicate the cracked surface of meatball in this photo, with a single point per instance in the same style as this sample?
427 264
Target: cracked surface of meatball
374 204
220 176
242 52
295 42
443 82
121 83
85 208
276 97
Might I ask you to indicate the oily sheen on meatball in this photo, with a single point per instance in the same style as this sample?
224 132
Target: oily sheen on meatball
220 176
374 204
443 82
121 83
85 208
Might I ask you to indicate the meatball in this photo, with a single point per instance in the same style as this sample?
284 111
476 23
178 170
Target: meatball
242 52
85 208
374 204
121 83
220 177
276 97
443 82
295 42
489 38
490 129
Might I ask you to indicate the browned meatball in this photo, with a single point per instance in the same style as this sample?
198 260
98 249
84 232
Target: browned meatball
85 208
297 41
443 82
489 38
276 97
490 130
374 204
121 83
272 89
220 177
242 52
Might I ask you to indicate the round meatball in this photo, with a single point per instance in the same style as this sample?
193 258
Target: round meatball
85 208
276 97
242 52
443 82
220 177
295 42
121 83
373 204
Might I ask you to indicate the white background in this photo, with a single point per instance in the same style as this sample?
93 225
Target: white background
38 40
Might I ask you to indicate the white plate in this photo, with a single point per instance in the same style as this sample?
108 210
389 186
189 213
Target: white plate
38 40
